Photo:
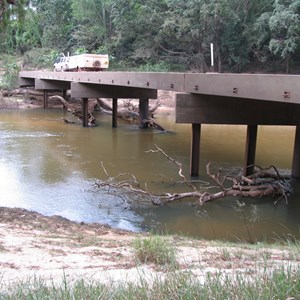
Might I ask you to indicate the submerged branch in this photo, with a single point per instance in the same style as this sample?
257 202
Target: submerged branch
263 183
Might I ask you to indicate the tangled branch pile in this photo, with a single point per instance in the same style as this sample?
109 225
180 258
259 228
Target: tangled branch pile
263 183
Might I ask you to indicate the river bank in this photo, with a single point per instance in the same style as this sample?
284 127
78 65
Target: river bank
54 249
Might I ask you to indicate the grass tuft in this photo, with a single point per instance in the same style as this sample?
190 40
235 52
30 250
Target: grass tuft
154 249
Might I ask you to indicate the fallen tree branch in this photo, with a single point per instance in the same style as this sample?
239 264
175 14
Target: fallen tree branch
253 186
26 92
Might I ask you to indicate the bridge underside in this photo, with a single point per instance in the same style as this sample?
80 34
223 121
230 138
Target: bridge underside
206 109
91 90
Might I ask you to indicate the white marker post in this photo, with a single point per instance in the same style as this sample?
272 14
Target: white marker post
212 56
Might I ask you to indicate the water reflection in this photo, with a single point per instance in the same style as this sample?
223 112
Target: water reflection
51 167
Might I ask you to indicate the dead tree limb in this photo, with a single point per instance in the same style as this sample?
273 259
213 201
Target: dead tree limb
239 186
26 92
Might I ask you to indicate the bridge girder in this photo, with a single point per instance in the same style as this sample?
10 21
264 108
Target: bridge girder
86 90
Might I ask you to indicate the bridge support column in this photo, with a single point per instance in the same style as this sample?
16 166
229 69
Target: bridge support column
144 111
45 99
85 112
115 113
250 150
64 95
296 156
195 150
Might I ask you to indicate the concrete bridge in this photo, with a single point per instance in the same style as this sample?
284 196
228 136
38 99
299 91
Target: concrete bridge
211 98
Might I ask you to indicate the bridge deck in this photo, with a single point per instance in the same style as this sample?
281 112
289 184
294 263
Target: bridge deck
210 98
282 88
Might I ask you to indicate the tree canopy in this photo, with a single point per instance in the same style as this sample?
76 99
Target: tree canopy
255 35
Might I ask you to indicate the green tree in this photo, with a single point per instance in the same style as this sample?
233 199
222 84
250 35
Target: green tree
12 14
239 40
136 26
94 27
284 26
276 31
10 8
56 23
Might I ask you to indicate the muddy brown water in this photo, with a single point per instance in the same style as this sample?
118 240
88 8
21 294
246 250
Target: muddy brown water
51 167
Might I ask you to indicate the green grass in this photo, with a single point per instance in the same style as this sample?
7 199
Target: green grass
154 249
283 283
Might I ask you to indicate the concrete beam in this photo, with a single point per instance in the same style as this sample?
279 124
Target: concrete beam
42 84
149 80
83 90
191 108
269 87
273 87
23 82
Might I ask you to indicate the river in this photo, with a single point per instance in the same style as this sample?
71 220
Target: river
51 167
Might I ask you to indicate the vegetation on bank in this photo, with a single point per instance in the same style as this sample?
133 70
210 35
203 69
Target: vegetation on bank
265 282
280 284
160 35
67 255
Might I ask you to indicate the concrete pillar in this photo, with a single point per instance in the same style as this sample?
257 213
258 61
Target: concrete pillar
45 99
296 156
115 113
195 150
85 112
144 111
64 95
250 150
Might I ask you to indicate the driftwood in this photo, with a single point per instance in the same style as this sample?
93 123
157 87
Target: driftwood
25 92
130 113
77 112
263 183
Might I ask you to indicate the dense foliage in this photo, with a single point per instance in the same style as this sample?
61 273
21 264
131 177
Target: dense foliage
248 35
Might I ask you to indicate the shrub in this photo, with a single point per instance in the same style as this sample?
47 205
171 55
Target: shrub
40 58
10 77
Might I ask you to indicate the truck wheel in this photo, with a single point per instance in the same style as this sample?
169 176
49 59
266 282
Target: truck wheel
97 64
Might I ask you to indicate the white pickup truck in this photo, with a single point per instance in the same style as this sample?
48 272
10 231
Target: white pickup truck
81 62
